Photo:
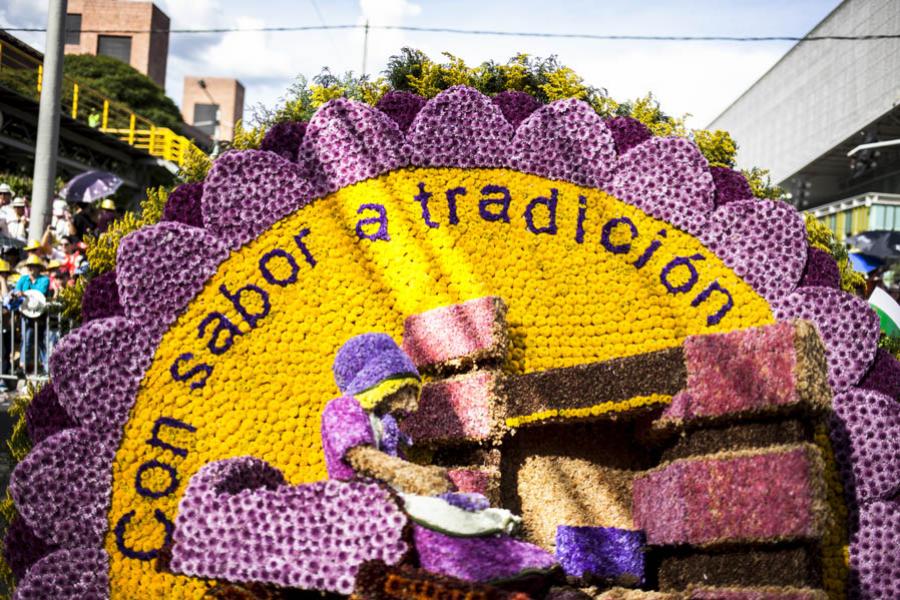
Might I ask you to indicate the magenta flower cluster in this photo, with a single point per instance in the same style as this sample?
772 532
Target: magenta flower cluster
101 298
284 139
62 488
337 149
866 434
460 127
667 178
78 573
884 375
731 186
239 521
45 416
627 132
402 107
516 106
565 140
183 205
764 241
821 270
848 328
873 547
146 262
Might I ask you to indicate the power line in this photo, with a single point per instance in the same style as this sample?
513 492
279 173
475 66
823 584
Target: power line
532 34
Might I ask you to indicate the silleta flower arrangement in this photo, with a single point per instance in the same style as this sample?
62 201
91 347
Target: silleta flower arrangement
216 340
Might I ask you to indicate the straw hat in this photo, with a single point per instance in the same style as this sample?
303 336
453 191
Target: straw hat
18 202
107 204
33 245
35 261
5 267
53 264
5 189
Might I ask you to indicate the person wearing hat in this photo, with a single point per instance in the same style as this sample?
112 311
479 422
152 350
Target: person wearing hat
6 269
37 280
108 214
361 436
6 194
18 226
57 277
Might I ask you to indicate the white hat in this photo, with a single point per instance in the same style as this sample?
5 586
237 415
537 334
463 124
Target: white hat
5 189
18 202
59 208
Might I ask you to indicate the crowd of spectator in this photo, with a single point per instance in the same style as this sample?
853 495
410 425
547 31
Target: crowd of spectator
36 270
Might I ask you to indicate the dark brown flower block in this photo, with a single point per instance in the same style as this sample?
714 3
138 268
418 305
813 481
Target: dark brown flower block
763 593
724 437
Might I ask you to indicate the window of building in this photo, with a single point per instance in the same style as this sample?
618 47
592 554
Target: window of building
117 46
73 28
205 118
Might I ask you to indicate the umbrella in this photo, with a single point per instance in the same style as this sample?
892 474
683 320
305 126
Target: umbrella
90 187
864 263
880 244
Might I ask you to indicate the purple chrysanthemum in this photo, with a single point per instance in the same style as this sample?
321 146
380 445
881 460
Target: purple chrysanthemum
402 107
284 139
183 205
22 548
101 298
627 133
45 416
516 106
731 185
884 375
821 270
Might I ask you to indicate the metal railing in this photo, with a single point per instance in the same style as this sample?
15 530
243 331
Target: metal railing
25 74
26 344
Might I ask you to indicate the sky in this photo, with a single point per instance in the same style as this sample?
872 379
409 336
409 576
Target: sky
696 78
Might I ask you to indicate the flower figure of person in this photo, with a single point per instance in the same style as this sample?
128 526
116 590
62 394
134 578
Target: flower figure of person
455 534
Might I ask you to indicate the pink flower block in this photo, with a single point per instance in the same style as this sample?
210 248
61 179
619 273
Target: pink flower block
732 498
751 371
462 333
455 410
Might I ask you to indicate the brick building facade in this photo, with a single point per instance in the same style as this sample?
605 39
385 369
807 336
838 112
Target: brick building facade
199 104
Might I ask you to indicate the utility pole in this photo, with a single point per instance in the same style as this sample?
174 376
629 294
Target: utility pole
365 48
48 120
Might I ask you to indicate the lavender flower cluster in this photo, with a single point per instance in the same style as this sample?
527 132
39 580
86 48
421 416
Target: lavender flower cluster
246 192
22 548
147 259
402 107
565 140
764 241
873 550
627 133
848 328
460 127
239 521
884 375
284 139
667 178
96 370
821 270
516 106
62 488
101 298
337 149
607 553
78 573
183 205
866 431
731 186
45 416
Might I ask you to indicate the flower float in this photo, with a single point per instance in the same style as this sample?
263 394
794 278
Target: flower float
603 241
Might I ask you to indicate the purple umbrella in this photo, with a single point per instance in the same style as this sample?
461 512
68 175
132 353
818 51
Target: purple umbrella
90 187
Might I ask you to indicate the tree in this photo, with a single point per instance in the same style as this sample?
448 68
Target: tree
122 83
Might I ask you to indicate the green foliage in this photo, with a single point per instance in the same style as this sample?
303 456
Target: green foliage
716 146
246 139
21 81
891 344
819 236
22 184
7 514
761 184
196 166
121 82
647 110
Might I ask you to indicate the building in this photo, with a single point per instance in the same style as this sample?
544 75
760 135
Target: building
813 117
213 105
146 52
